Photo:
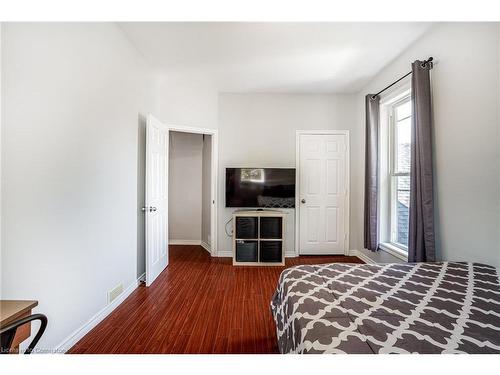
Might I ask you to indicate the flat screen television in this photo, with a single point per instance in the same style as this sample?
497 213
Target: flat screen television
260 187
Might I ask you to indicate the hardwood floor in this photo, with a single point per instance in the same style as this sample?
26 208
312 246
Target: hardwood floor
198 304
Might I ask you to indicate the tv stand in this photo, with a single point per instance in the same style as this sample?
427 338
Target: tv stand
258 238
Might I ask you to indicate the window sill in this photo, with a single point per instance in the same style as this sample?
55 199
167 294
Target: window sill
394 251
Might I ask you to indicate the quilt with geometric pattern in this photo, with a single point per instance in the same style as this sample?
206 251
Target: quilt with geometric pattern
447 307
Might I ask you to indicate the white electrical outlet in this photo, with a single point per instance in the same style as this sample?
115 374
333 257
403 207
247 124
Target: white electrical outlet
114 293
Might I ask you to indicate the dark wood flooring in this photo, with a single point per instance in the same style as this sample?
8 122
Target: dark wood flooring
198 304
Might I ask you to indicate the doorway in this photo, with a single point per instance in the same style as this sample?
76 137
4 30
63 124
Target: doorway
322 198
189 196
158 184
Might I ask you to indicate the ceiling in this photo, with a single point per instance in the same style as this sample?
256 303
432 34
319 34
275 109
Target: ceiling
274 57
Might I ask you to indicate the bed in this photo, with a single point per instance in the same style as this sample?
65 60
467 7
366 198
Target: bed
447 307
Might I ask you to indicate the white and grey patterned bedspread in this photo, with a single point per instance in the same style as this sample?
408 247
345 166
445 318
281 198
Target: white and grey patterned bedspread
388 308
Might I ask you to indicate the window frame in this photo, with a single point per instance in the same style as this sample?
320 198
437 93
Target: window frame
385 219
393 169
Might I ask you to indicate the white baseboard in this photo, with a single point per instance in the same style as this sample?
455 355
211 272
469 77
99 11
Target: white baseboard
290 254
361 256
184 242
206 246
78 334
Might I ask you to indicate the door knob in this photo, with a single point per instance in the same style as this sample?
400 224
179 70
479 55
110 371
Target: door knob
303 200
152 209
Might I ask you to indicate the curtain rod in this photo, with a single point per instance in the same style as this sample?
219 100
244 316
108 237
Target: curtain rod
424 63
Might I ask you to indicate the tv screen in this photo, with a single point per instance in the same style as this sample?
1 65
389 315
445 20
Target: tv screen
260 187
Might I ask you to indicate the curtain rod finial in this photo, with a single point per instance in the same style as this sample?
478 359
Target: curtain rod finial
427 62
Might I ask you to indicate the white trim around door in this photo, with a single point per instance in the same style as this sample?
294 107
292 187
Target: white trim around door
214 176
299 133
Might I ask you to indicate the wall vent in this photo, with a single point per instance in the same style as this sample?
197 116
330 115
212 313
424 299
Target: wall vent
114 293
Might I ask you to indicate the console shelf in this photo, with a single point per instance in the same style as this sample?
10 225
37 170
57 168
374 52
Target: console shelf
258 238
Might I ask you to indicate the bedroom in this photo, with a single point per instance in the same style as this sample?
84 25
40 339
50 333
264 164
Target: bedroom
81 103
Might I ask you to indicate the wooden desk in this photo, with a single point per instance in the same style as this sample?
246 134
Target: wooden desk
10 311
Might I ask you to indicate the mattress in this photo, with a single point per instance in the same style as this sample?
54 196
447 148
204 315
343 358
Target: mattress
447 307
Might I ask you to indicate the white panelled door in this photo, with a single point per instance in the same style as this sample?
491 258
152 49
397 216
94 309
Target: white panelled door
323 193
156 209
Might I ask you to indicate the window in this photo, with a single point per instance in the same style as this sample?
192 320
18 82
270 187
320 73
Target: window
400 113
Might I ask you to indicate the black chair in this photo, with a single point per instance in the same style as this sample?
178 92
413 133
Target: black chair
8 332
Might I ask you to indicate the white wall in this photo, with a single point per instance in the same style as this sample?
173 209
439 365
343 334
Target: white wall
466 134
72 96
206 186
259 130
186 100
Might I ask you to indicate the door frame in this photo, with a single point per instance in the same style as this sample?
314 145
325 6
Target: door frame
214 171
298 133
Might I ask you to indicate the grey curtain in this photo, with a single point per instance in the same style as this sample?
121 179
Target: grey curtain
421 242
371 172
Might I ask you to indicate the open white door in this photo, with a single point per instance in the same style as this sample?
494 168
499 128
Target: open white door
156 209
